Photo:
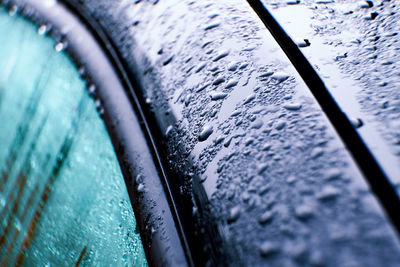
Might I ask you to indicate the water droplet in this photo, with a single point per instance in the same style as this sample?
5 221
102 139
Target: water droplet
200 66
262 168
246 197
324 1
266 217
292 106
188 59
303 43
387 63
221 54
13 10
280 76
227 142
287 97
291 179
235 113
168 60
206 43
218 95
333 174
280 124
243 66
219 80
249 48
292 2
328 193
234 214
366 4
82 71
303 211
140 188
214 68
266 147
264 189
317 152
42 29
169 129
257 124
383 84
101 112
298 251
211 26
60 46
92 90
202 87
231 83
213 15
98 103
139 178
267 248
357 123
249 141
219 140
250 98
371 16
266 74
188 98
195 211
233 66
205 133
384 104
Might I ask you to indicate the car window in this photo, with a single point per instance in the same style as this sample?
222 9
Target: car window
63 200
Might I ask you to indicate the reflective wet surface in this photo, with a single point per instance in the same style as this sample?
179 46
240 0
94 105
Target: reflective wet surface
356 56
256 170
63 200
246 144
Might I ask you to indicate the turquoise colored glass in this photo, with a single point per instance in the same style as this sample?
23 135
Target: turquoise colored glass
63 201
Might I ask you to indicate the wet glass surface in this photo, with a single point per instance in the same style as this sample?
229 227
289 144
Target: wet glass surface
63 201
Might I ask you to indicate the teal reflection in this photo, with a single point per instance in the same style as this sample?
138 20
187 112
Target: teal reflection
63 201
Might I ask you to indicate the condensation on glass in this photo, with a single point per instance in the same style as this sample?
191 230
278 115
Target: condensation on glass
63 201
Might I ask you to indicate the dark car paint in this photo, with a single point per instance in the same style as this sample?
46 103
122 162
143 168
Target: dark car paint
258 176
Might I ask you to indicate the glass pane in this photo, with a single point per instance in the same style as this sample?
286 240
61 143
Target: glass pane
63 201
